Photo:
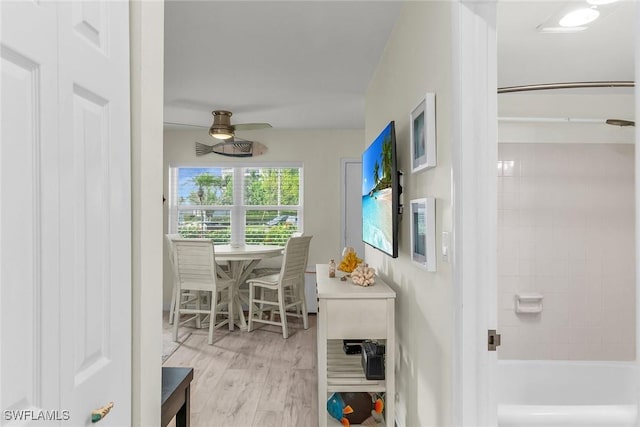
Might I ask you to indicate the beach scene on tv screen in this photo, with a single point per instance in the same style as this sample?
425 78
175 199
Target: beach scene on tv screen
377 207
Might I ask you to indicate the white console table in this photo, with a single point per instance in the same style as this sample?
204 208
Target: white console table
348 311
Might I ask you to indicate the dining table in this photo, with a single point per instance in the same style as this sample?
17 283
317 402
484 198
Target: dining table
242 260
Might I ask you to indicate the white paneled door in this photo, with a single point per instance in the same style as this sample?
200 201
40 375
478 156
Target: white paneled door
65 213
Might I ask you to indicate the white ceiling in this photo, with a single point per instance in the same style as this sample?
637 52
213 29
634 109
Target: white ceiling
294 64
306 65
604 51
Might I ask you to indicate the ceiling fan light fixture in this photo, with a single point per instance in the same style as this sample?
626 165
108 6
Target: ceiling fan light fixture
221 133
560 30
579 17
221 127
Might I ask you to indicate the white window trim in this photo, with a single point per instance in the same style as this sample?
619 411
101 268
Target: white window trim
238 209
237 227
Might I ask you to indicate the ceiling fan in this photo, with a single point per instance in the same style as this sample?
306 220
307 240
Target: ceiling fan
231 146
223 129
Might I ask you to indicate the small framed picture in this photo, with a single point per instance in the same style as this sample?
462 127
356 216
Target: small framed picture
423 134
423 233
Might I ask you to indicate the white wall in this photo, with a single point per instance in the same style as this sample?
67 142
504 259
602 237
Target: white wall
319 151
417 60
566 231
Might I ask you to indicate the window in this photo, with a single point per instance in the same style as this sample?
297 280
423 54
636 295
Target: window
236 205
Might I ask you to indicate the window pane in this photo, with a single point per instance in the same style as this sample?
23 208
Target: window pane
208 224
203 202
205 186
272 186
270 227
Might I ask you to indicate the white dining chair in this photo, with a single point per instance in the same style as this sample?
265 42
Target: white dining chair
195 270
286 285
187 297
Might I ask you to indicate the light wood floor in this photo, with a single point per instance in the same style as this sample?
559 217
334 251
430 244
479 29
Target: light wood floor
253 378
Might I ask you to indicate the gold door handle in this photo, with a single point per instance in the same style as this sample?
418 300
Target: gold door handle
100 413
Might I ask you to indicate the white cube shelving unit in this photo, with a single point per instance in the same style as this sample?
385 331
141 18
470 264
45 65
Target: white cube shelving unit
348 311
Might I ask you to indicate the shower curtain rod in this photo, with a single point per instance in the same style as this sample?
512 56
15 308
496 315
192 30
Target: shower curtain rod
550 120
569 85
613 122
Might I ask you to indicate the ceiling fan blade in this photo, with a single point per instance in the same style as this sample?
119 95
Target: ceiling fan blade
183 125
252 126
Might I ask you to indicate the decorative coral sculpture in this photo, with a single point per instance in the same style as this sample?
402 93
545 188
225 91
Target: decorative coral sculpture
363 275
349 261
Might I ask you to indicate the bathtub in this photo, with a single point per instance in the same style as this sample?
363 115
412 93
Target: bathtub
566 393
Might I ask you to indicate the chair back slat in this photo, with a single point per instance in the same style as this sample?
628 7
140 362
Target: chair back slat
195 263
169 238
296 254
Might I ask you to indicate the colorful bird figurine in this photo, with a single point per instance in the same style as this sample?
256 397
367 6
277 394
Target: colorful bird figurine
353 408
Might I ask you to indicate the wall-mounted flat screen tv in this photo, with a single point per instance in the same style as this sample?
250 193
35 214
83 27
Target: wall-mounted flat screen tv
381 193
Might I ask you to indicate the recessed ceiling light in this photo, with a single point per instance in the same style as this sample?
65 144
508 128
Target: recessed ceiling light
560 30
600 2
579 17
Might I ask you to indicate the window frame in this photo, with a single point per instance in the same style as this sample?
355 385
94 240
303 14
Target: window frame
237 210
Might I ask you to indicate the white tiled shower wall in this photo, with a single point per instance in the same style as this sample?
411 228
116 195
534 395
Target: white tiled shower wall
566 231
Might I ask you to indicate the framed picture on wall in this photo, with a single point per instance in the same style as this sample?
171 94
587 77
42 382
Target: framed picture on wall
422 125
423 233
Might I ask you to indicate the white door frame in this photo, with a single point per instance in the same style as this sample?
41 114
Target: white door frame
474 195
147 71
474 187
